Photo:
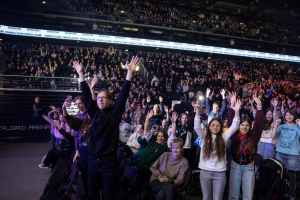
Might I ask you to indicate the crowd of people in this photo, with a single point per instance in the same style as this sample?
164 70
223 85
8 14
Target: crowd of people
244 102
240 119
164 14
45 63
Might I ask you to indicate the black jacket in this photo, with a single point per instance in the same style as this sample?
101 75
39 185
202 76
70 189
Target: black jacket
105 123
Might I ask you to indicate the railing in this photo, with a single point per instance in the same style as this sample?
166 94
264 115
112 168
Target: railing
18 82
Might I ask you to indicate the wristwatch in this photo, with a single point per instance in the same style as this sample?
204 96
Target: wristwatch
171 181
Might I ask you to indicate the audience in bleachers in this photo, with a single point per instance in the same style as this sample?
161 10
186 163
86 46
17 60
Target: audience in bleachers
187 17
177 82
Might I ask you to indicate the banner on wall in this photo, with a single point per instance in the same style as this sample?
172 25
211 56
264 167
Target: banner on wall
24 129
142 42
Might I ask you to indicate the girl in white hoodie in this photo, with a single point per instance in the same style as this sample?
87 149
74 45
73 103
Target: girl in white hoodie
213 153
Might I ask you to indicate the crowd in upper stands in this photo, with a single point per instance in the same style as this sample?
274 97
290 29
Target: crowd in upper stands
164 14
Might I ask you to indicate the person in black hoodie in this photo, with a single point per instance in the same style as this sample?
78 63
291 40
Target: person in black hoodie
103 144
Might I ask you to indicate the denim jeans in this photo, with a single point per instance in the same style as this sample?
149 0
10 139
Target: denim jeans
212 184
135 157
53 139
266 150
245 174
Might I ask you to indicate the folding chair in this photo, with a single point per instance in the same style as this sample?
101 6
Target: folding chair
128 181
121 157
124 167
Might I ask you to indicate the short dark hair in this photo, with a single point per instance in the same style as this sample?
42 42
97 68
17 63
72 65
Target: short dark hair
108 94
292 112
37 97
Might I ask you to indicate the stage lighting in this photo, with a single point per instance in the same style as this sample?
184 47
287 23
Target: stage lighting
44 2
126 49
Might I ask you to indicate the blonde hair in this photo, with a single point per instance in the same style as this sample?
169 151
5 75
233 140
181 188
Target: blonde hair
178 141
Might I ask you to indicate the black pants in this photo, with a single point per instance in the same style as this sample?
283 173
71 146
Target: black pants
83 156
143 176
103 170
127 150
52 156
165 191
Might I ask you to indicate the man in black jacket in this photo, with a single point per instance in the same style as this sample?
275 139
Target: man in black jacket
103 164
37 109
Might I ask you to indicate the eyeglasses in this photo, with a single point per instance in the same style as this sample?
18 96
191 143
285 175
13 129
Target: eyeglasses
102 98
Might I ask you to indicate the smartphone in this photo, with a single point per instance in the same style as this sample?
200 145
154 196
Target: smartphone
178 102
69 98
154 127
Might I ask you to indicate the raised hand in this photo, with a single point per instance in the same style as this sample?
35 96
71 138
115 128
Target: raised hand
232 98
150 114
257 100
274 103
237 105
93 83
160 99
174 117
133 64
283 101
52 107
278 122
78 67
223 92
66 104
289 101
208 92
166 109
193 103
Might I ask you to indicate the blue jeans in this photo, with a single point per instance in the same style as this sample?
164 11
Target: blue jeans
244 175
135 157
290 162
53 139
212 184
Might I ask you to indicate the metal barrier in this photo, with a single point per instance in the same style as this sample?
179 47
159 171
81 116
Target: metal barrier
45 83
50 83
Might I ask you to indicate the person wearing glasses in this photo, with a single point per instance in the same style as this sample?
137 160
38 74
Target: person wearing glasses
103 145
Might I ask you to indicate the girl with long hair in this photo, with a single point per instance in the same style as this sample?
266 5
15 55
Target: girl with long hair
213 154
266 143
288 147
243 148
